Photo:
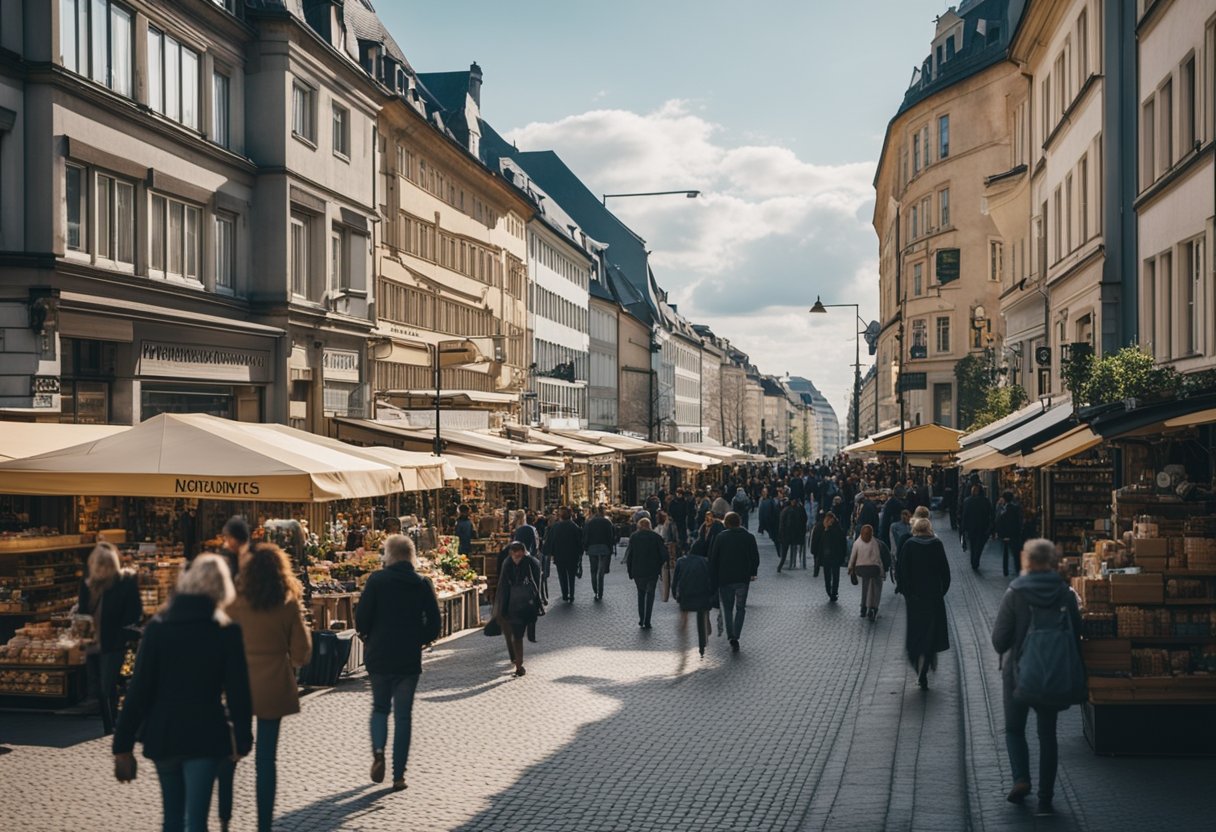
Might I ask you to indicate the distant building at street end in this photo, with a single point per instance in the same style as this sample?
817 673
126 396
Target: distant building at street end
827 435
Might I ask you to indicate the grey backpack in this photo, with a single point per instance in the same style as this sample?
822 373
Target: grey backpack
1049 672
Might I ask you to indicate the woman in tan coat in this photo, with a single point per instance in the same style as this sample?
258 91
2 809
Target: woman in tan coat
277 642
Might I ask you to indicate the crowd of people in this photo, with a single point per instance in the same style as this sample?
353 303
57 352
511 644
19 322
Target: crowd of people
220 660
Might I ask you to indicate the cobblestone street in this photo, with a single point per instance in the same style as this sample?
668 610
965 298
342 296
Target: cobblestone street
816 724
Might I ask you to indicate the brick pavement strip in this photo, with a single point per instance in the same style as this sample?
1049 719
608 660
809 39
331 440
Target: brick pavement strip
816 724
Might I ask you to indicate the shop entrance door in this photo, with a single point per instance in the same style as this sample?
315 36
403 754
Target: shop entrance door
943 405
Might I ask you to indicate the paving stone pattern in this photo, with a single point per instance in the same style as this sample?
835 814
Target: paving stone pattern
816 724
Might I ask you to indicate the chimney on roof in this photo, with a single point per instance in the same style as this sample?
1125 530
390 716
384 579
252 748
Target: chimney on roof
475 83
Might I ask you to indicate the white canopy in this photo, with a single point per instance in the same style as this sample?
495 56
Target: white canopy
683 459
19 440
490 469
419 471
204 457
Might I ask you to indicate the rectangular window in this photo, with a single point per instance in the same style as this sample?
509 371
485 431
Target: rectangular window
1165 285
95 40
339 266
996 260
341 131
914 225
919 333
1165 134
918 279
298 259
1082 47
115 219
1191 291
1187 107
77 213
1068 203
916 154
1058 225
69 36
173 79
926 212
1083 194
301 111
220 126
1149 307
943 137
1148 134
943 201
225 251
175 238
943 335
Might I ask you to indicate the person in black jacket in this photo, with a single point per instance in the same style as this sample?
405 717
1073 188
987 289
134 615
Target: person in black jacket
599 539
398 614
791 532
831 549
923 578
191 664
891 511
564 544
1008 528
517 603
111 595
734 561
644 559
693 590
977 524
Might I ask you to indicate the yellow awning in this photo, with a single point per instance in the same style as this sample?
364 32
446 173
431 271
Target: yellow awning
1067 445
922 439
1202 417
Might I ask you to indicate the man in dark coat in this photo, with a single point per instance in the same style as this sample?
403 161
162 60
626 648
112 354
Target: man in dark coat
644 561
734 562
923 578
1008 527
791 532
1040 586
977 524
397 615
678 513
768 515
599 539
564 543
867 514
891 511
831 549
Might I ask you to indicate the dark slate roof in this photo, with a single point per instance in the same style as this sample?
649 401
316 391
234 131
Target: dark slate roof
599 290
365 24
626 251
446 91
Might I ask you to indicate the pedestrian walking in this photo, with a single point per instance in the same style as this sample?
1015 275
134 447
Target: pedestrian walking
900 531
977 524
720 506
235 537
674 545
830 549
1008 528
517 602
923 578
527 535
678 515
190 665
277 642
464 531
599 538
791 532
564 546
866 564
692 587
734 562
768 515
110 594
1039 604
709 530
741 505
892 510
398 615
644 560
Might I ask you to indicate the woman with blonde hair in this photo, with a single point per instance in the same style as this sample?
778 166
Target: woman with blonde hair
923 577
110 594
191 664
277 642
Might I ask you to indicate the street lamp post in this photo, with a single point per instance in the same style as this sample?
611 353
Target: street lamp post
821 308
690 194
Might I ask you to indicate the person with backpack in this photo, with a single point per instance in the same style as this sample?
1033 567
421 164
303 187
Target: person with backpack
741 505
1037 633
526 534
517 603
398 614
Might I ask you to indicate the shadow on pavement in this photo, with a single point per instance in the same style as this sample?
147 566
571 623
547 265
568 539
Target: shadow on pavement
48 730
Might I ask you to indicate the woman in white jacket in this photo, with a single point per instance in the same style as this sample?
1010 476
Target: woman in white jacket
866 563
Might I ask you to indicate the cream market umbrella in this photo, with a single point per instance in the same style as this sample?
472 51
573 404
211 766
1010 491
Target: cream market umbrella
490 469
419 471
203 457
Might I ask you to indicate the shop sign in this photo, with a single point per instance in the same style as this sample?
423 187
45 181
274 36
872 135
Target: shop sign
340 365
202 487
913 381
948 265
191 361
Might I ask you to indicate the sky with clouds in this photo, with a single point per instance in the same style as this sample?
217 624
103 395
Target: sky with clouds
775 110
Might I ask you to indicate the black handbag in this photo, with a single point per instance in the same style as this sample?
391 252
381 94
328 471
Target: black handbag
522 600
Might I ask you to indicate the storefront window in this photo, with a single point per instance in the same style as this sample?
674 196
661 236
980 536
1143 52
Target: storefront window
214 401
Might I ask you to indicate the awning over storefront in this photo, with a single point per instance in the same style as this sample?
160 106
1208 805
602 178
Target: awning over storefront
865 444
203 457
419 471
489 469
1116 420
686 460
19 440
575 447
1000 426
461 441
923 439
449 398
615 441
984 458
1047 425
720 452
1064 446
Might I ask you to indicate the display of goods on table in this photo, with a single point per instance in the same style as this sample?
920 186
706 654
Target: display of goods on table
49 643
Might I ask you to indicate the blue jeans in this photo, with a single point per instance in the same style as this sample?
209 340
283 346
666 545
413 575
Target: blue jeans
395 693
1019 752
185 792
266 770
734 607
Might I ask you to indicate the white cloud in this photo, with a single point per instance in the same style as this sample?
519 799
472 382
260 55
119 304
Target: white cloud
769 233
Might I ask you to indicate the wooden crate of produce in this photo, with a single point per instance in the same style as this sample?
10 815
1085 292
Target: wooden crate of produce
1181 690
1107 656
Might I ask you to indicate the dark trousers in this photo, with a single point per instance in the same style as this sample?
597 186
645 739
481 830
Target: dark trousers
103 670
544 578
599 565
395 694
831 580
185 792
646 588
1019 752
1011 550
702 617
733 598
975 546
265 766
567 574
